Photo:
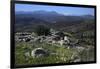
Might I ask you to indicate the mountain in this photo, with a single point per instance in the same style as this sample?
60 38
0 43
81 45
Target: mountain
27 21
88 16
51 16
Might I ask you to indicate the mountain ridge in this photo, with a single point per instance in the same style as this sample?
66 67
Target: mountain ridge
28 21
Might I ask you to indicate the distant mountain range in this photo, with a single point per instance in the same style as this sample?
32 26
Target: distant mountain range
52 16
27 21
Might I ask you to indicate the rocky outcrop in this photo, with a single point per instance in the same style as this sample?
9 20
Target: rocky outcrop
39 52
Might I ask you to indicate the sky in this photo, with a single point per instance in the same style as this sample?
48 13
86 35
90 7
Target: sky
59 9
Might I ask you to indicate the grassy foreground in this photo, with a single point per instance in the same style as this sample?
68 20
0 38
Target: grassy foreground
63 55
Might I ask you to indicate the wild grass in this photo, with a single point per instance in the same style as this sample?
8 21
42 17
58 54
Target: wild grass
63 55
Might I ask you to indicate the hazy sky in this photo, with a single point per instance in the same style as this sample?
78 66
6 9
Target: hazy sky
60 9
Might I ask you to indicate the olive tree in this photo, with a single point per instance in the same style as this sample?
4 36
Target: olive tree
42 30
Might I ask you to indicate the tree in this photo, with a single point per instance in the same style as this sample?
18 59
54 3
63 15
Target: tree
42 30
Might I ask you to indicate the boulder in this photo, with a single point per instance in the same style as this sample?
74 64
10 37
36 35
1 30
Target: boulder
77 60
75 57
39 52
27 54
80 49
27 40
